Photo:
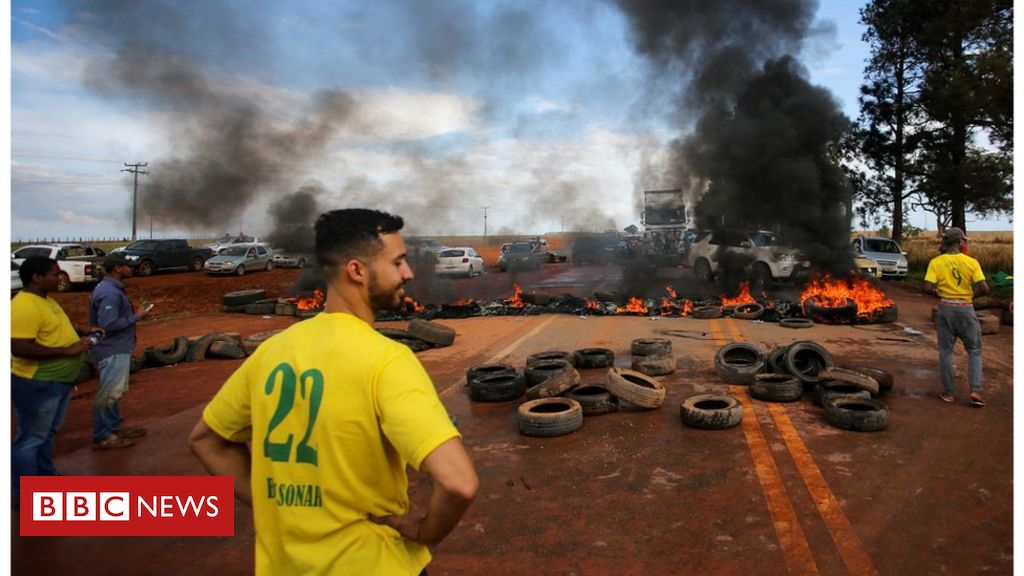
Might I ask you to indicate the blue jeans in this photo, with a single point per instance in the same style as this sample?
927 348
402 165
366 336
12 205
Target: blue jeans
39 407
952 322
106 414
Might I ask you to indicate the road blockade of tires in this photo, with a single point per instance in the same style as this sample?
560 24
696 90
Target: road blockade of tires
884 379
711 411
549 355
852 377
638 389
827 390
595 399
654 365
557 384
737 363
650 347
480 370
593 358
806 359
548 417
497 387
776 388
431 332
544 369
857 414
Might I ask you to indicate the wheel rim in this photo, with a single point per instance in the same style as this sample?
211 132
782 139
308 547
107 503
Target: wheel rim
197 265
240 270
270 266
65 284
146 269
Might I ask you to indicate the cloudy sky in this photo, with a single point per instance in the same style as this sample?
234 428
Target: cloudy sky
541 111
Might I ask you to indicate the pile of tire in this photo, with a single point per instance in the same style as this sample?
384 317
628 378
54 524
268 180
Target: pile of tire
653 356
421 335
240 300
737 363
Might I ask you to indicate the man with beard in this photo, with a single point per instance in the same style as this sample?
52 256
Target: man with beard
335 411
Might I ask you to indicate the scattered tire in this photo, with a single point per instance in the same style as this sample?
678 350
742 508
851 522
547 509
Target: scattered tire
737 363
776 360
197 350
635 388
252 341
432 332
852 377
796 323
243 297
414 344
547 417
549 355
776 388
827 390
593 358
711 412
170 355
394 332
224 349
262 307
857 414
556 385
884 379
748 311
541 371
594 399
707 312
497 387
660 365
650 347
806 359
482 370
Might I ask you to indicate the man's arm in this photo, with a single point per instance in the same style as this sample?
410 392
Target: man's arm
32 350
930 289
222 457
108 314
980 288
455 488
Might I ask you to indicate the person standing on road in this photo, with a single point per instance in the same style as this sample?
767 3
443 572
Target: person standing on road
335 411
110 309
46 359
956 279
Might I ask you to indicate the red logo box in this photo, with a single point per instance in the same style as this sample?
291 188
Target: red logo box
127 506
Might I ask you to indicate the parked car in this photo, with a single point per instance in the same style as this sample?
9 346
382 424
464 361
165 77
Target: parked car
79 263
461 261
424 249
518 256
892 260
285 260
227 241
767 260
594 249
148 256
867 266
16 284
241 259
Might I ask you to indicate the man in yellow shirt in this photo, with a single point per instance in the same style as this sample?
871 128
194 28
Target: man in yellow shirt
956 278
46 358
334 412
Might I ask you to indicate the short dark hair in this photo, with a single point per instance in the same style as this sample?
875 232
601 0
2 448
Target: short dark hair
352 233
34 265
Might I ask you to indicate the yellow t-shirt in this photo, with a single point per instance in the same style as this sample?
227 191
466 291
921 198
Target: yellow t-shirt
43 320
334 411
954 276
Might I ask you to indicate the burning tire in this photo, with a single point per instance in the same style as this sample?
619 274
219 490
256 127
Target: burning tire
806 360
594 399
497 387
711 412
593 358
857 414
776 360
651 347
656 365
737 363
707 312
845 314
616 297
776 388
749 311
796 323
549 355
884 379
482 370
243 297
224 349
433 333
635 388
852 377
547 417
169 354
828 390
556 385
541 371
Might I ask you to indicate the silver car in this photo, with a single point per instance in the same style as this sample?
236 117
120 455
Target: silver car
892 260
240 259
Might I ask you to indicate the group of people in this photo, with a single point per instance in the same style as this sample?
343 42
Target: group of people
332 409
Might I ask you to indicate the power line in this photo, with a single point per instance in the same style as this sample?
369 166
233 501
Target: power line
135 170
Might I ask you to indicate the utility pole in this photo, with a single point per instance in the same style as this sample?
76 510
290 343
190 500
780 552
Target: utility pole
563 223
135 169
485 220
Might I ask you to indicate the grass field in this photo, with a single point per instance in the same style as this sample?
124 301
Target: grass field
993 250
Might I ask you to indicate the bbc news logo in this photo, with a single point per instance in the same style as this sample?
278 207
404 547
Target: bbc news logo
127 506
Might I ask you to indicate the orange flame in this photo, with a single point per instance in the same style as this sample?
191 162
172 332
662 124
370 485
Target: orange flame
634 306
743 297
592 304
412 306
462 302
314 303
671 293
516 301
832 292
687 307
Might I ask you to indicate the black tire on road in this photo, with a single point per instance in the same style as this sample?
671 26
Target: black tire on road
884 379
857 414
497 387
776 388
776 360
549 355
828 390
556 385
394 332
593 358
261 307
432 332
225 349
541 371
748 311
145 268
197 350
796 323
480 370
711 412
414 344
594 399
852 377
171 354
252 341
806 359
658 365
737 363
650 347
635 388
197 264
707 312
243 297
547 417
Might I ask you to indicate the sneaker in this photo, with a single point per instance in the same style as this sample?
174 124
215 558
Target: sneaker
112 442
946 397
976 401
131 432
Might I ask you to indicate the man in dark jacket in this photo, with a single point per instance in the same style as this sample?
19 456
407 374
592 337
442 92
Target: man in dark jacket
110 309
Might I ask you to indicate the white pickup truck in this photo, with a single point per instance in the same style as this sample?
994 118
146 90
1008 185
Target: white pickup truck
79 263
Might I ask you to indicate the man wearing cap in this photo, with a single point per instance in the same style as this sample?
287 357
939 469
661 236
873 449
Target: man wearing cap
956 279
110 309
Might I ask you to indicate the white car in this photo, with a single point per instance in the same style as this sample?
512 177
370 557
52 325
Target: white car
767 260
287 260
892 260
230 241
16 284
79 263
459 261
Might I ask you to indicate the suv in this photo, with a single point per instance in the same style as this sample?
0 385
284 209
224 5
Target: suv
518 256
79 263
148 256
768 261
892 260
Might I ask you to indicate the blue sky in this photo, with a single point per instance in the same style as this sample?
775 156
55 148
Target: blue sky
541 113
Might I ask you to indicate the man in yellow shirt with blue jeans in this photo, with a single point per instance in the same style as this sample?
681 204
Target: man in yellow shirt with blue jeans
956 278
334 412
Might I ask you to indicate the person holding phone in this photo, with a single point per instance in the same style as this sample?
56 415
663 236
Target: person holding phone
111 310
